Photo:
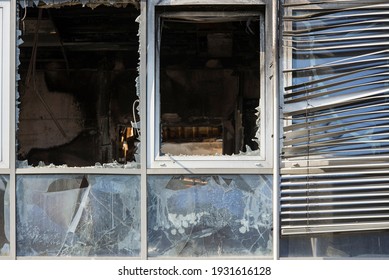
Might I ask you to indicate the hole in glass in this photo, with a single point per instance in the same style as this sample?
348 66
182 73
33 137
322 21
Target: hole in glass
78 101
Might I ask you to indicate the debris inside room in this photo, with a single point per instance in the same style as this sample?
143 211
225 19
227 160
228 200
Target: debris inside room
79 100
209 79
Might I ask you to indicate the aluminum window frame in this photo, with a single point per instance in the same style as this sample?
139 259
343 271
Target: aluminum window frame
246 164
5 81
7 111
270 69
14 171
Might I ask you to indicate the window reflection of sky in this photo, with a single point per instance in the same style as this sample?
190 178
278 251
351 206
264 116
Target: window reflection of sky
193 215
340 55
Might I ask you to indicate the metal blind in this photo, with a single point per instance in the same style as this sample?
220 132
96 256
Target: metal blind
335 156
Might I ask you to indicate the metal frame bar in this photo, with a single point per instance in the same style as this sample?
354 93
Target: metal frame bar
277 130
12 138
143 103
6 84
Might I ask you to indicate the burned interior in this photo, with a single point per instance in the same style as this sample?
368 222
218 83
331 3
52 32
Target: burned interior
77 93
78 96
209 80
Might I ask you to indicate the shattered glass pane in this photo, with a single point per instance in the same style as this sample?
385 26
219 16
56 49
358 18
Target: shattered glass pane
4 216
197 216
77 98
78 215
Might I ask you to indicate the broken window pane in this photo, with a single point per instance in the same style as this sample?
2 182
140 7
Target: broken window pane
4 216
78 97
209 83
78 215
227 215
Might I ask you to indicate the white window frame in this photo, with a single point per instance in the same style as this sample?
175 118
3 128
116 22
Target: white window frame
262 163
5 81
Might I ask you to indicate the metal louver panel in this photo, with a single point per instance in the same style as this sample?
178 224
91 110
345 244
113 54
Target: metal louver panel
335 158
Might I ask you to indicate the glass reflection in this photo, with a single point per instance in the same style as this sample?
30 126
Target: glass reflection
349 245
4 216
210 216
78 215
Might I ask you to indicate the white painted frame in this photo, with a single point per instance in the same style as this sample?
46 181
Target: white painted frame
247 164
5 82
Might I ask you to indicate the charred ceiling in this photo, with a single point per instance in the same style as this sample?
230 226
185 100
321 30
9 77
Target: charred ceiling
75 31
85 3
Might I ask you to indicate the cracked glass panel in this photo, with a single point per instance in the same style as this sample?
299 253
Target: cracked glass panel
78 215
4 216
197 216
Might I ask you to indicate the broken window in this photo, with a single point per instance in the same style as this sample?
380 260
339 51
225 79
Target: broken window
78 100
198 216
209 82
209 89
78 215
4 216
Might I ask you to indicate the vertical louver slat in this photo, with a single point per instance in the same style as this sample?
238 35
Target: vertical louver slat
335 157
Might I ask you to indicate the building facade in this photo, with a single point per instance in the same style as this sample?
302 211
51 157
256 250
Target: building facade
193 129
